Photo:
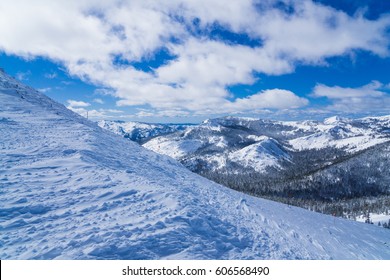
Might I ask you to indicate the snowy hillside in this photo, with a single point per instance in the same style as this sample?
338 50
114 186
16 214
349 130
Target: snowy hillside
71 190
349 135
266 152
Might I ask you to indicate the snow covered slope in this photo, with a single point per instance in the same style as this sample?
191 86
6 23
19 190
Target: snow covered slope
266 152
71 190
349 135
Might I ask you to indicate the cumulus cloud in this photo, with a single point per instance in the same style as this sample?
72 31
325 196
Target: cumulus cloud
314 32
368 98
99 42
373 89
270 99
75 103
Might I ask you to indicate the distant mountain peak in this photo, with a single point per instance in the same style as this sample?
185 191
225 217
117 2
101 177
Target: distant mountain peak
335 120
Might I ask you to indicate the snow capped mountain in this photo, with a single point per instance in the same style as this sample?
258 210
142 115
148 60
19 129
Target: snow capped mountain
265 152
380 124
335 120
139 132
349 135
71 190
240 140
217 144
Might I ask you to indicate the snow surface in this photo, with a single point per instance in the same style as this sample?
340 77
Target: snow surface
375 218
338 133
70 190
172 148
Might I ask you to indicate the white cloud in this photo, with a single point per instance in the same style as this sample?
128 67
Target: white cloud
43 90
87 113
96 114
207 62
145 113
23 76
75 103
88 36
368 98
314 32
373 89
196 81
98 100
269 99
51 75
114 111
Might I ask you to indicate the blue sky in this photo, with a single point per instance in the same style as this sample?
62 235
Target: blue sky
185 61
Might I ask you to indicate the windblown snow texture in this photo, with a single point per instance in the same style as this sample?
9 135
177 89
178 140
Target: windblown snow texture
70 190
